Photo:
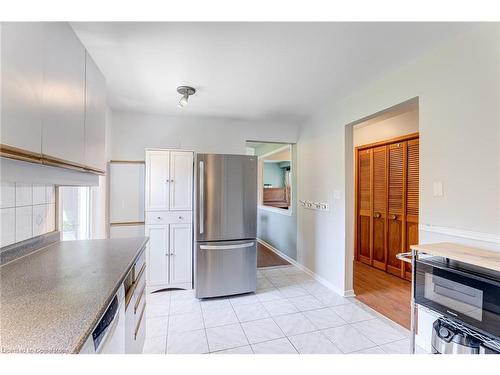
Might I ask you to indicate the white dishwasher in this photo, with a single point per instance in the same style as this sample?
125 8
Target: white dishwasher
108 337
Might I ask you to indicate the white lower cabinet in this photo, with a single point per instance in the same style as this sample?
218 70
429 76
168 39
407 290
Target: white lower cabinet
169 255
180 253
135 308
157 254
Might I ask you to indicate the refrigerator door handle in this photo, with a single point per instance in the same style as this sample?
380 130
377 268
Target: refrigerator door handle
202 198
227 247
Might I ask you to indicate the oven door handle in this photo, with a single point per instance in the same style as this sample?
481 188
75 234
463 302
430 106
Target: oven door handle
405 257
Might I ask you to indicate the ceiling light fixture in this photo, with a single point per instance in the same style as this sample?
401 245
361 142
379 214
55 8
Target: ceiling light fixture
185 91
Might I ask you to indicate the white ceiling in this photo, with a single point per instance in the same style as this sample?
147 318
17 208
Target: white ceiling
275 71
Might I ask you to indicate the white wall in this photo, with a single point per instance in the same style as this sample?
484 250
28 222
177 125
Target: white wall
100 196
458 88
132 132
375 131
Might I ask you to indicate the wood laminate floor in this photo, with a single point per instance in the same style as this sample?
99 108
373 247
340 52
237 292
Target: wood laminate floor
268 258
387 294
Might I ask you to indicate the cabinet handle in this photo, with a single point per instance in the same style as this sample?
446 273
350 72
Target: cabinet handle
377 215
140 321
159 217
181 217
393 217
167 180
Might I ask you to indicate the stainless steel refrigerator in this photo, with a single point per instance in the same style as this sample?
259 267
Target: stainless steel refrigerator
225 225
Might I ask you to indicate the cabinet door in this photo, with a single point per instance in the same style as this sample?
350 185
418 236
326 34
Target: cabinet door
412 199
181 240
364 205
95 115
63 133
21 84
395 206
379 207
157 254
181 181
157 180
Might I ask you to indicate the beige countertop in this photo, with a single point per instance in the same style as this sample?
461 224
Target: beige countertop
51 299
478 257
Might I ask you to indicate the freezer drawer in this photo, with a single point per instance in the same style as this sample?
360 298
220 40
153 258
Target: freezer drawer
225 268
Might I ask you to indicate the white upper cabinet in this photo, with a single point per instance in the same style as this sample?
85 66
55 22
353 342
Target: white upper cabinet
95 116
181 181
169 180
21 83
63 128
157 180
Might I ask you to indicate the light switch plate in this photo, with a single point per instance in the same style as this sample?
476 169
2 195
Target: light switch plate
437 188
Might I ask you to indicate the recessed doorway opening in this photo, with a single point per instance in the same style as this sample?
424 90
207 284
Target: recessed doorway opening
384 162
276 211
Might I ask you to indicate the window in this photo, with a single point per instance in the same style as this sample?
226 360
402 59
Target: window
274 175
75 208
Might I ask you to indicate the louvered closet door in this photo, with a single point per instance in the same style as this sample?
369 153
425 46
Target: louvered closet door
396 195
379 207
364 205
411 199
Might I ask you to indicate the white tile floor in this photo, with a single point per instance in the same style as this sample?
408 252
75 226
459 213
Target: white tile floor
290 313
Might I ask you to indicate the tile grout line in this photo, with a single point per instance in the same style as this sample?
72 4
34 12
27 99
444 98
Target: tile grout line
298 284
241 326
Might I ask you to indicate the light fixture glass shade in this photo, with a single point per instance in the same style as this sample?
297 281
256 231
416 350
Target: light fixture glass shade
183 101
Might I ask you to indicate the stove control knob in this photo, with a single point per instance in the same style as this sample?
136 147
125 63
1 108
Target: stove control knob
444 333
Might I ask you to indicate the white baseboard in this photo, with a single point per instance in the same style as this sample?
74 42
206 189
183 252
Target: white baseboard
347 293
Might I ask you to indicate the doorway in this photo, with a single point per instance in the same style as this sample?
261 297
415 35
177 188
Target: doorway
385 186
276 211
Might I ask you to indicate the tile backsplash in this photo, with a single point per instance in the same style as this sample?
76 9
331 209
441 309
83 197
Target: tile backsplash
27 210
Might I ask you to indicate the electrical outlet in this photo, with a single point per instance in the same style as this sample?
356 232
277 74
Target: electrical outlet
320 206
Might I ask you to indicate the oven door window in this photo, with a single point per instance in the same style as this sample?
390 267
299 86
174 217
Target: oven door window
457 297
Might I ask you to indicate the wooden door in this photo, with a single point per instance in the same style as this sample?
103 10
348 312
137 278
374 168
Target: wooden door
157 254
157 180
411 199
387 175
180 253
379 238
181 181
396 198
364 202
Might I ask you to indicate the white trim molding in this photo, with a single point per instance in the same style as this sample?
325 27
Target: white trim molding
346 293
284 147
455 232
276 210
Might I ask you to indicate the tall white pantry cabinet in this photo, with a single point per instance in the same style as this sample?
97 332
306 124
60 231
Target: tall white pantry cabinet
169 214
